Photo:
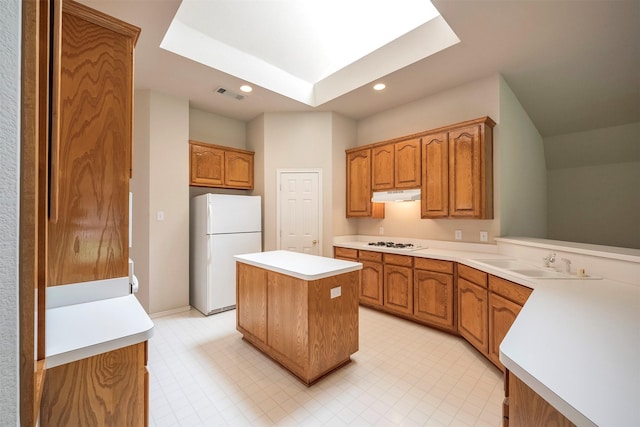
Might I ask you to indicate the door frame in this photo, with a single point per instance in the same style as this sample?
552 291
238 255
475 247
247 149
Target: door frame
279 173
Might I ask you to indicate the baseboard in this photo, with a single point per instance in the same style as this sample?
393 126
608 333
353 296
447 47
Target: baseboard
170 312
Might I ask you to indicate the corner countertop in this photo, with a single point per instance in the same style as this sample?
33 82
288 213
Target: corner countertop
576 342
78 331
301 266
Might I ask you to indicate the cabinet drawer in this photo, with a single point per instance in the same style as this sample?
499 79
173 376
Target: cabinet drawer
403 260
471 274
511 291
345 253
433 265
370 256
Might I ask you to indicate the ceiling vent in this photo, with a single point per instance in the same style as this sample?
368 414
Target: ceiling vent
230 94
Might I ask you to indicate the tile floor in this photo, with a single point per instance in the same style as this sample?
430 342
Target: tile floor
203 374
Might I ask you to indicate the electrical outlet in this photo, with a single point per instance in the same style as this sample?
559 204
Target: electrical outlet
381 231
458 234
484 236
160 215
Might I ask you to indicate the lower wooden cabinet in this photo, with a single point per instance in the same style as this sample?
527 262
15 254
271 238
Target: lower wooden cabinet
472 314
251 305
371 283
398 283
433 300
523 407
109 389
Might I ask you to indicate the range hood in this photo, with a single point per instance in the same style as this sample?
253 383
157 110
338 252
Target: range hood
396 196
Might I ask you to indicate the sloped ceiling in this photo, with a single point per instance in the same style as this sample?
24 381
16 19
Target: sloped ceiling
574 65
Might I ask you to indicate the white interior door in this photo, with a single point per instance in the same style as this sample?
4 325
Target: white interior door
299 211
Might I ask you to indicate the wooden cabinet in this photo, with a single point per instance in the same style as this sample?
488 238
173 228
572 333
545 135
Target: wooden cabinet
398 283
359 186
505 302
472 307
434 301
524 407
371 278
396 165
91 145
307 331
382 169
110 389
220 167
457 171
407 164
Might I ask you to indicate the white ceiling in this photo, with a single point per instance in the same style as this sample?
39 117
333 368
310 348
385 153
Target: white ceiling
574 65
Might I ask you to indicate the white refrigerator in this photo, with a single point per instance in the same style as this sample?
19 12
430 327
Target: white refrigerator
222 226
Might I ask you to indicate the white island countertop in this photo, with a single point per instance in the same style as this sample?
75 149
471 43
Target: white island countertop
576 342
79 331
299 265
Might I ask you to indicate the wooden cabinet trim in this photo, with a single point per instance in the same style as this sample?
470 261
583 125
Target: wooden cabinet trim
437 265
370 256
345 253
473 275
402 260
509 290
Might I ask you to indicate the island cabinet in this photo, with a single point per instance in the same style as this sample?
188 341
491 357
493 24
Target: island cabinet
308 325
109 389
523 407
472 307
398 283
220 167
396 165
505 302
434 298
359 190
91 143
457 171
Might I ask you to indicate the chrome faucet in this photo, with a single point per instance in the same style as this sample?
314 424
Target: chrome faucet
567 264
549 259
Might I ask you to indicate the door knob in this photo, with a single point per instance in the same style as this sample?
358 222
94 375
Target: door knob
315 242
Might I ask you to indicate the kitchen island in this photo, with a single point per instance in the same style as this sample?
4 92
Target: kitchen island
301 310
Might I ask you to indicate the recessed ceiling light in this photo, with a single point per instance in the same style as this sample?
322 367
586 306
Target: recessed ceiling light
246 88
379 86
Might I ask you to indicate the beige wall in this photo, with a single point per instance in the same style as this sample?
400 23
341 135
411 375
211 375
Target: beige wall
344 136
521 191
471 101
161 184
594 186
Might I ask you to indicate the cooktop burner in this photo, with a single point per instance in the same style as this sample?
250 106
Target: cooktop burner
393 245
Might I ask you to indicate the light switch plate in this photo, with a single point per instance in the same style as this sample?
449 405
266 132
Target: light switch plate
336 292
484 236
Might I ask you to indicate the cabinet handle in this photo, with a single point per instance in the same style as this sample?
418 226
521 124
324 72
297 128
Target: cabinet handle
54 149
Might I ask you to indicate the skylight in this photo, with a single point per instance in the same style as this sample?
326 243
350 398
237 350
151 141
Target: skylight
309 50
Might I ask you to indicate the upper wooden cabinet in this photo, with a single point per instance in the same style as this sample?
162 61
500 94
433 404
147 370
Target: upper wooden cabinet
457 171
359 185
396 165
221 167
91 145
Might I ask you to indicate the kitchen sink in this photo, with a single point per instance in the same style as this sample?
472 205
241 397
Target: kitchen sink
503 263
530 271
534 272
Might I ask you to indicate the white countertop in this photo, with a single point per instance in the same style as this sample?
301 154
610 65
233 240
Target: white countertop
79 331
301 266
576 342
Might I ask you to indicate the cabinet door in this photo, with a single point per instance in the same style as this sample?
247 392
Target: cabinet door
398 288
359 183
435 176
371 283
472 314
251 307
238 170
465 172
207 166
407 164
502 314
433 298
382 176
91 137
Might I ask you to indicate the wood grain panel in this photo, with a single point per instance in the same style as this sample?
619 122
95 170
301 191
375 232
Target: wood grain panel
347 253
371 283
473 275
206 165
510 290
370 256
333 322
359 183
435 176
527 408
103 390
472 314
287 318
398 288
502 313
434 300
433 265
238 169
403 260
382 167
92 131
251 307
407 164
